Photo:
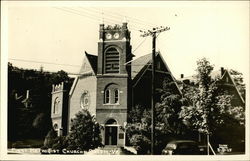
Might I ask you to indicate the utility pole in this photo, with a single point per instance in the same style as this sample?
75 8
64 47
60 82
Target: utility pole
153 34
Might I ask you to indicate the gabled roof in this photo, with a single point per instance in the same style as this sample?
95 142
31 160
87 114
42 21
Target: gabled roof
139 63
217 74
92 61
138 66
193 78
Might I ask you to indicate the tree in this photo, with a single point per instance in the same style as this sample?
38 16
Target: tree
40 124
168 125
209 110
21 120
84 132
138 130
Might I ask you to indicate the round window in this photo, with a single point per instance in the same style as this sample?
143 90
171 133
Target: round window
85 100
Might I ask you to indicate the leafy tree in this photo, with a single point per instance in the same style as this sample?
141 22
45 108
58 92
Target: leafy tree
138 130
209 110
167 122
84 132
23 122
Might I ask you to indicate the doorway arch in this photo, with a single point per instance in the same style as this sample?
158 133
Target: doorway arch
111 131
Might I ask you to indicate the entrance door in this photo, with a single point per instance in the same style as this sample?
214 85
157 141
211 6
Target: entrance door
111 135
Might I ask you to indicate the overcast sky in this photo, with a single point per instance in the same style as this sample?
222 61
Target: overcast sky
60 32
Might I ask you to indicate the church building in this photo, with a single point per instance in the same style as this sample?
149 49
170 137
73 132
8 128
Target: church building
109 85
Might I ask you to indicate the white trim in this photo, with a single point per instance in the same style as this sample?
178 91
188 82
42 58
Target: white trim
169 72
234 85
118 95
105 102
73 86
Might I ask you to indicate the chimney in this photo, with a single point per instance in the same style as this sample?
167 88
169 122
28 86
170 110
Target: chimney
182 75
222 71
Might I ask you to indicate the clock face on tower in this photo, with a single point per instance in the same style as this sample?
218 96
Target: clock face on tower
116 35
108 36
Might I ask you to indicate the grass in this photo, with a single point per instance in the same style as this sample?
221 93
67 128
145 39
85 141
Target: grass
27 143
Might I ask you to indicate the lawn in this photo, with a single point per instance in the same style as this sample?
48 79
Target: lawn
28 143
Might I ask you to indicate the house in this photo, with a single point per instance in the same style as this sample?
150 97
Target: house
109 85
226 85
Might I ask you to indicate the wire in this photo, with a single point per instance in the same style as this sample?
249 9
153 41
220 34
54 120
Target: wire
33 61
92 17
140 44
135 19
115 18
117 15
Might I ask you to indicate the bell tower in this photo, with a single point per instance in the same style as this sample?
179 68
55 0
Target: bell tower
113 81
114 49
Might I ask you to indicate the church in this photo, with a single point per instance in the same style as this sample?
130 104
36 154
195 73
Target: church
109 85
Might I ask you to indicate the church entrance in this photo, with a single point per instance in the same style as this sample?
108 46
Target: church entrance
111 130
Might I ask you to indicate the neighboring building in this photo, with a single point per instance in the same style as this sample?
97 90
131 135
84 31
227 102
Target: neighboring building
109 85
226 85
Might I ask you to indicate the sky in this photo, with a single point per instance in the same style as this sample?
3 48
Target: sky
59 33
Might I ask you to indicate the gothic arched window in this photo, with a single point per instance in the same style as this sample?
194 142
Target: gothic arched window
55 126
56 104
112 60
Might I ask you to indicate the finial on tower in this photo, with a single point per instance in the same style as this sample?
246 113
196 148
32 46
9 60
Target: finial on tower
101 21
124 23
124 20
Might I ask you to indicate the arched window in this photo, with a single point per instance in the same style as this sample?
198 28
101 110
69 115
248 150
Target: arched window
56 105
55 126
116 96
85 100
107 96
111 94
112 60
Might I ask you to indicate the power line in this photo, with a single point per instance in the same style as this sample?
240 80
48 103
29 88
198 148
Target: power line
135 19
34 61
65 10
118 16
140 44
114 17
91 16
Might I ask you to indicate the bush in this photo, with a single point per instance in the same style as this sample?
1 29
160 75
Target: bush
50 139
141 144
84 132
60 143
